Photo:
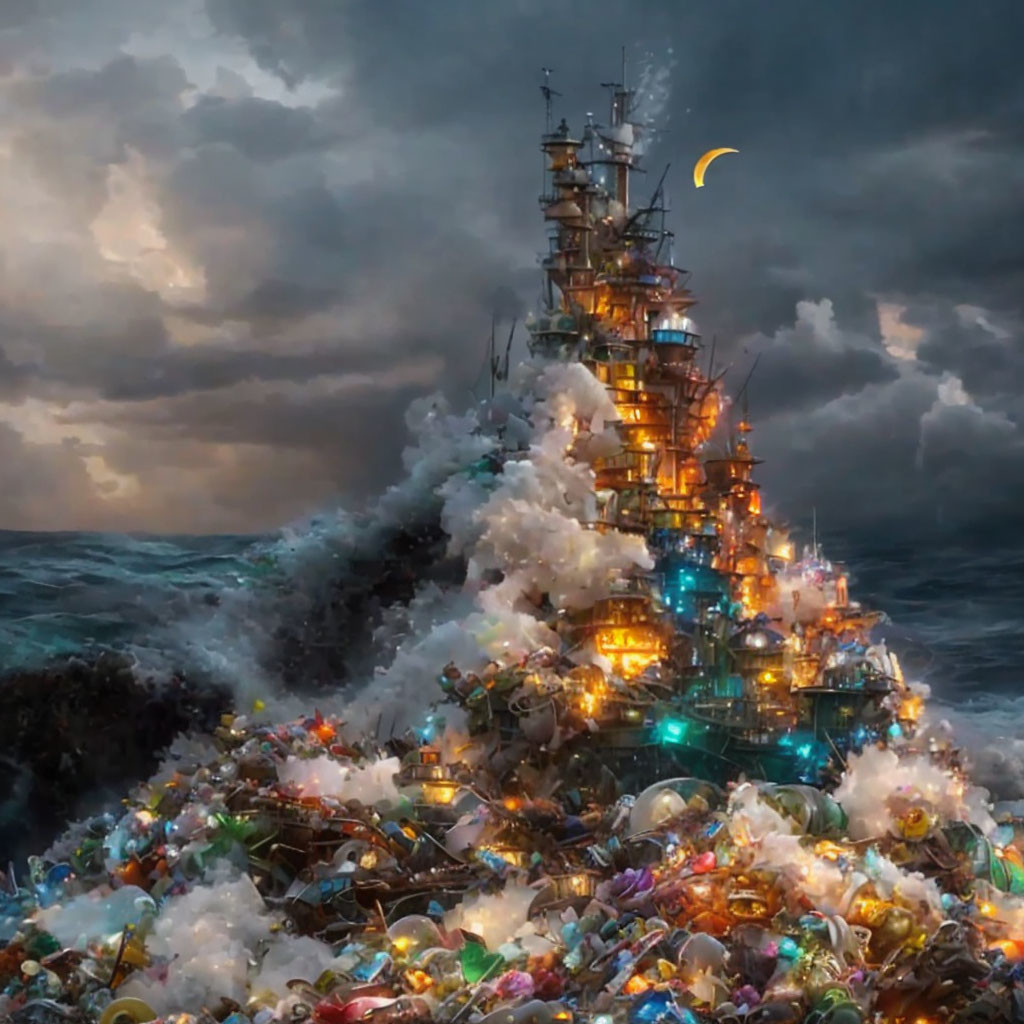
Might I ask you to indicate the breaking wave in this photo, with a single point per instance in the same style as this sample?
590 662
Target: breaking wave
383 596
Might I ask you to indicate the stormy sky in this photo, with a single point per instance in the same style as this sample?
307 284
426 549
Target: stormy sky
238 236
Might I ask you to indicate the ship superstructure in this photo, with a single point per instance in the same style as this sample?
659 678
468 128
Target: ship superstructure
734 652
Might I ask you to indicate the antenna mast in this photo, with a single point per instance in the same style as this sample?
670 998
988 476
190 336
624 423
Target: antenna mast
499 365
503 372
548 94
743 389
491 362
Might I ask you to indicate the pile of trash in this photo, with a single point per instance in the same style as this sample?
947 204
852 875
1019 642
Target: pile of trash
460 873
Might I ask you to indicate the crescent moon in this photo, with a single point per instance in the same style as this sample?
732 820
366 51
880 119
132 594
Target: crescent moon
704 162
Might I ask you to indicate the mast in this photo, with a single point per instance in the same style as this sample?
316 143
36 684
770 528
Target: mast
491 363
548 94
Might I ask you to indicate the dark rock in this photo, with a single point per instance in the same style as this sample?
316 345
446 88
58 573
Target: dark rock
77 734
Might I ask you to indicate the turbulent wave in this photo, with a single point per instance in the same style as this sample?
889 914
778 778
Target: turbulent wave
957 614
362 609
67 593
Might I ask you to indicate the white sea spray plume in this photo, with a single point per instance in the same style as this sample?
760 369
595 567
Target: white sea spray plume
527 524
233 645
818 878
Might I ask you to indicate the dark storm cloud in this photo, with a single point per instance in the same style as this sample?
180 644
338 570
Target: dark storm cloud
269 229
14 378
939 214
983 350
812 361
260 129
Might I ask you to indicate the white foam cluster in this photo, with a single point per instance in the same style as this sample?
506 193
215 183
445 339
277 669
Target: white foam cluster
209 935
96 916
496 917
878 781
323 776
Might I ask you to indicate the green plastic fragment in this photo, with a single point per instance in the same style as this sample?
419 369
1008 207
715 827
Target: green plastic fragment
477 964
41 944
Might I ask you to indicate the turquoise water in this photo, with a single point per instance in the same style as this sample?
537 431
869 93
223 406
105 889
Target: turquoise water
63 593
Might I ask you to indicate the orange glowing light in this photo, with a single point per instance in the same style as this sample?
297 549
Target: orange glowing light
636 985
325 732
418 981
829 850
1012 949
911 708
439 792
631 649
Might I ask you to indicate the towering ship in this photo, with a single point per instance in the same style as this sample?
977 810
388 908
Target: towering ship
733 655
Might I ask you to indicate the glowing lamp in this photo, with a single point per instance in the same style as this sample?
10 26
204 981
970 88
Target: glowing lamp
439 792
672 730
579 885
418 981
413 933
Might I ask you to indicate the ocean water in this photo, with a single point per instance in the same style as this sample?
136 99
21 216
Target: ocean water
956 613
67 593
958 623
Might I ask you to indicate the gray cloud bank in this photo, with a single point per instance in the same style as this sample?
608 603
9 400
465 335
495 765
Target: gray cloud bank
239 236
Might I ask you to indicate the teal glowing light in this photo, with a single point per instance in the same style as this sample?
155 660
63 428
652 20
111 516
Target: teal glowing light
671 730
895 731
804 751
788 949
